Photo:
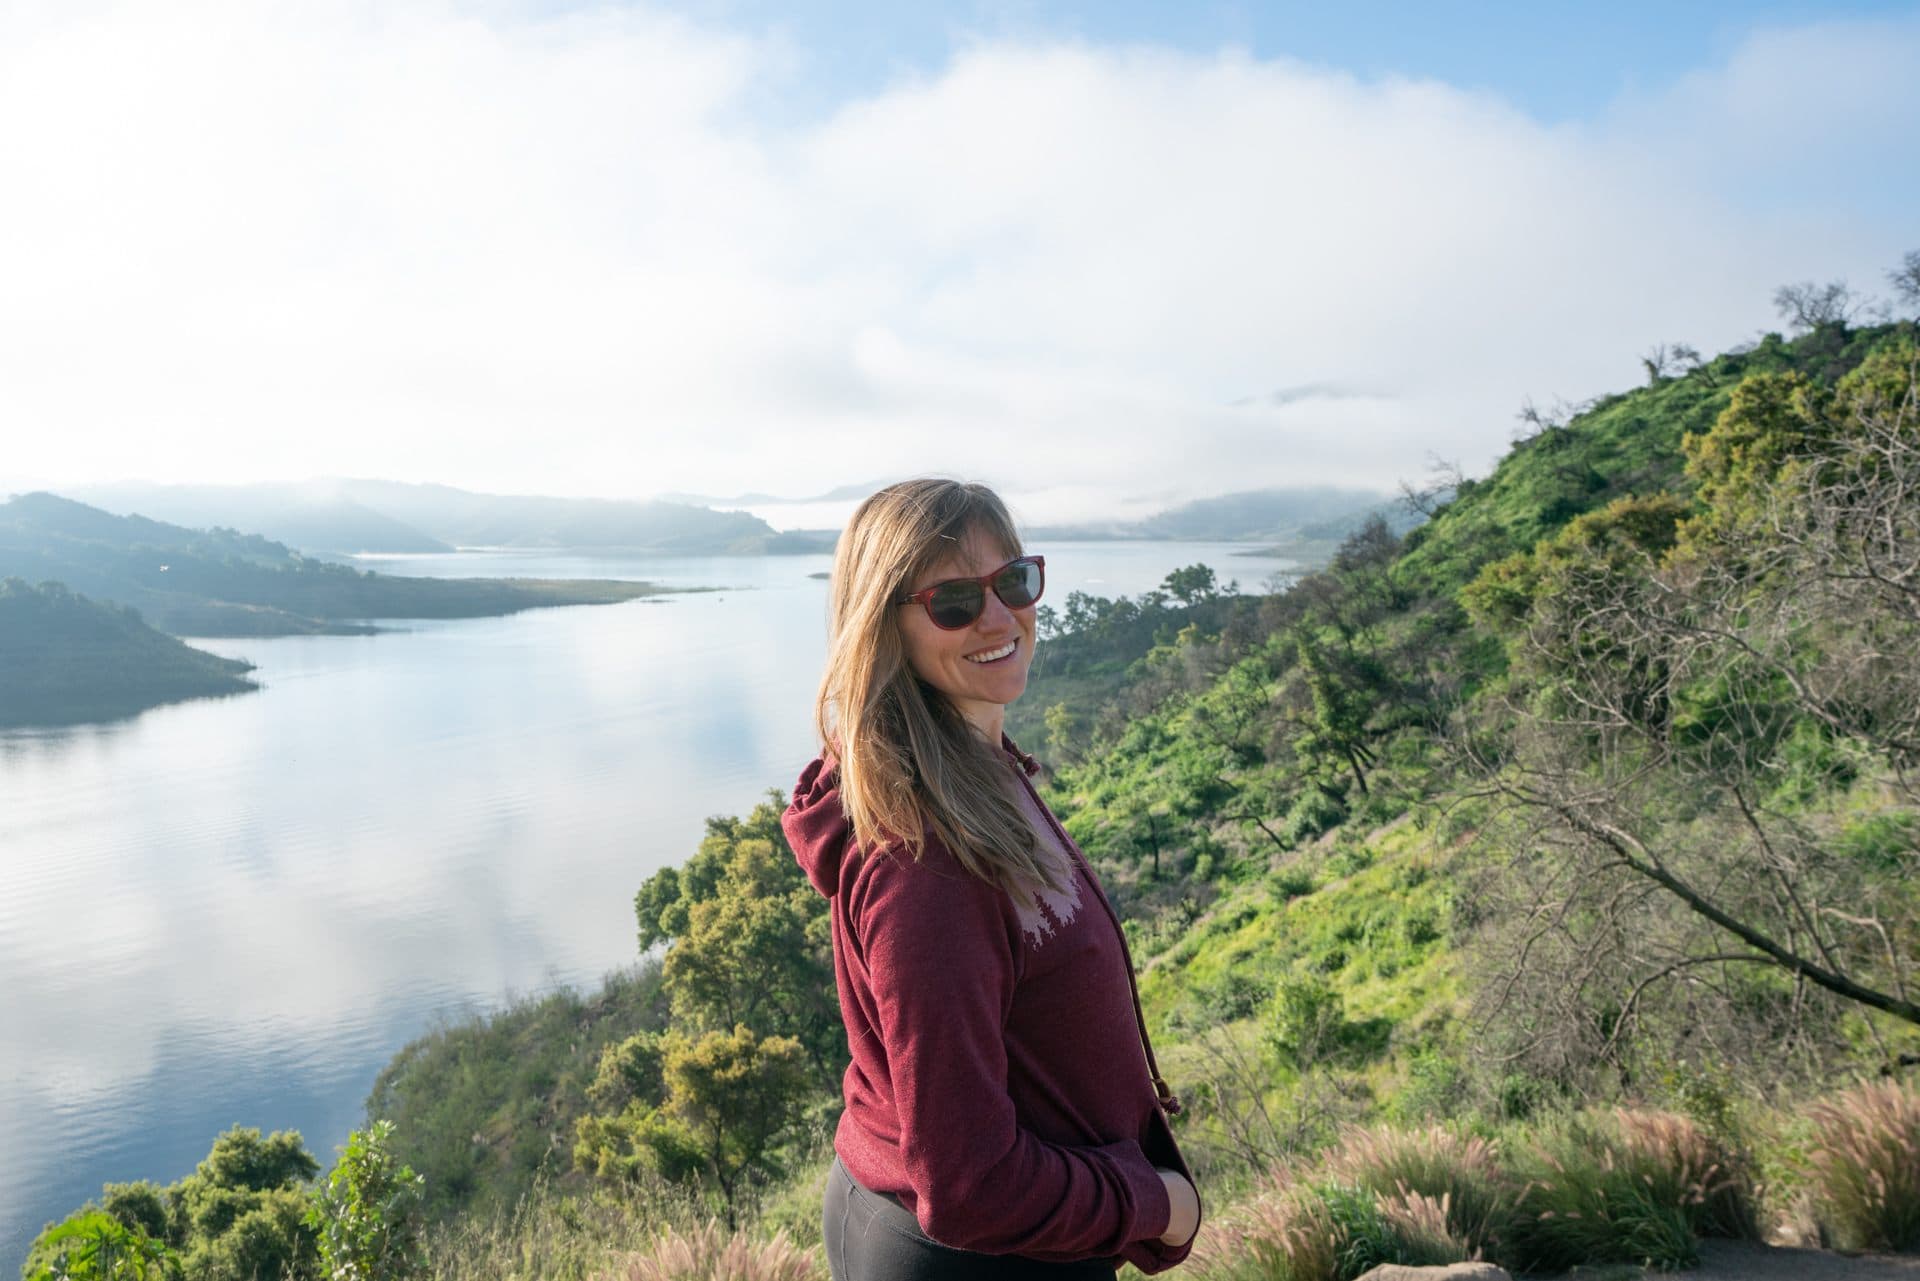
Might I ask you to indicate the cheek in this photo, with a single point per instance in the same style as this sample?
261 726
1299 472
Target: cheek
922 651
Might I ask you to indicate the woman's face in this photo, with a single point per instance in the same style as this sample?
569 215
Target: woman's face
982 667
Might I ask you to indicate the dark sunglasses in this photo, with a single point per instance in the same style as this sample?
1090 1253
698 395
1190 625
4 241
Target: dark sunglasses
957 602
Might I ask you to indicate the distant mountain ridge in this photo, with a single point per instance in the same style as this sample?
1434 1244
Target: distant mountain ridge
1300 519
316 517
222 583
345 517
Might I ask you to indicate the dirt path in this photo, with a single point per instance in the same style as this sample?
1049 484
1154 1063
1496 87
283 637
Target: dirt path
1751 1261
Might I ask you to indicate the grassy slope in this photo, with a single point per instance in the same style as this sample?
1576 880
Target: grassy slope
1366 909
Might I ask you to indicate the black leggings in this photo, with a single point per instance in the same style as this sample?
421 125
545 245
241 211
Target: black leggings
874 1238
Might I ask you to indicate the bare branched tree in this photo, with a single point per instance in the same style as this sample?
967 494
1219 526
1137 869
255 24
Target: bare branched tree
1807 306
1905 280
1662 760
1441 482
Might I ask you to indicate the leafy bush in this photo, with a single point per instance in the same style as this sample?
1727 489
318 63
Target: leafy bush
238 1216
1865 1163
95 1246
1315 812
368 1216
1307 1023
1291 882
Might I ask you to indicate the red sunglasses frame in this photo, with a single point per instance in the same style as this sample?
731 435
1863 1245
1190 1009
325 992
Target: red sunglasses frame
925 595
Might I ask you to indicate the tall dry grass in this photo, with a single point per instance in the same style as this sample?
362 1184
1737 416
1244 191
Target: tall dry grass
1865 1166
1584 1199
551 1235
1456 1170
1685 1165
1423 1225
1283 1232
709 1253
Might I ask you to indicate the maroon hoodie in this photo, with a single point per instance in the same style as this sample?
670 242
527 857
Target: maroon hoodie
998 1085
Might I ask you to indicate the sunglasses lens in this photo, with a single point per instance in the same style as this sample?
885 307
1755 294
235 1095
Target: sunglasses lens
1018 584
956 605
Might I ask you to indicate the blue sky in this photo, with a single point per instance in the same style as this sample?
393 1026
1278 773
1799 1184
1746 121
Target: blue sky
1108 256
1555 60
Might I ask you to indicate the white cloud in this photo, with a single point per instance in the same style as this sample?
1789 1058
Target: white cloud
570 254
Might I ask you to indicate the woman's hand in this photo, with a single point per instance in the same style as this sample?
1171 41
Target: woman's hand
1185 1220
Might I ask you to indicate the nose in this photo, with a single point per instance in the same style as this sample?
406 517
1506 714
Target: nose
996 617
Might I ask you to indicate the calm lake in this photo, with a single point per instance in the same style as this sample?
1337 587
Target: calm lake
234 911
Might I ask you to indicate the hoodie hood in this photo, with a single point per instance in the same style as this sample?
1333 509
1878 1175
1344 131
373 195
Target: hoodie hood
817 826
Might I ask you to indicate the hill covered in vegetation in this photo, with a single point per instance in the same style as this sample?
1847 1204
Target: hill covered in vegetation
64 658
219 582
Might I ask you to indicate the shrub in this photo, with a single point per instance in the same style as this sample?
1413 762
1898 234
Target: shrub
1865 1165
1307 1021
1436 1088
1313 813
1365 1238
1423 1227
1685 1165
1434 1164
368 1216
1586 1201
708 1253
1291 882
95 1246
1285 1232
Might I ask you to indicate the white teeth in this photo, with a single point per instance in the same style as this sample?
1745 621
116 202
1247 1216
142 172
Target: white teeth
992 654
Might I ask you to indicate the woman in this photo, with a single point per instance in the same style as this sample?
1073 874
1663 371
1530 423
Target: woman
1003 1118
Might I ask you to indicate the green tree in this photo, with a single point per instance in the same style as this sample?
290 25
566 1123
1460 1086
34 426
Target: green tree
1191 584
751 939
239 1216
737 1094
731 1099
628 1070
93 1245
244 1208
368 1216
1352 682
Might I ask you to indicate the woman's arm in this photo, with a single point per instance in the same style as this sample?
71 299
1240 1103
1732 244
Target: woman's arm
942 958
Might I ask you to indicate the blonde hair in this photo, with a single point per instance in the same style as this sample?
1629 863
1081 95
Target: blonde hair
910 764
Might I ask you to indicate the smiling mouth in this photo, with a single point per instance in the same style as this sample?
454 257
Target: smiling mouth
987 656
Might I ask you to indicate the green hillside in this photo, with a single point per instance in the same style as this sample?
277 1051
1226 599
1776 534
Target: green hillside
66 659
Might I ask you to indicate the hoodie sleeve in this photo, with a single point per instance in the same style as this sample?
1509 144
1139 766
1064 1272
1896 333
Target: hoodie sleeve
943 950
